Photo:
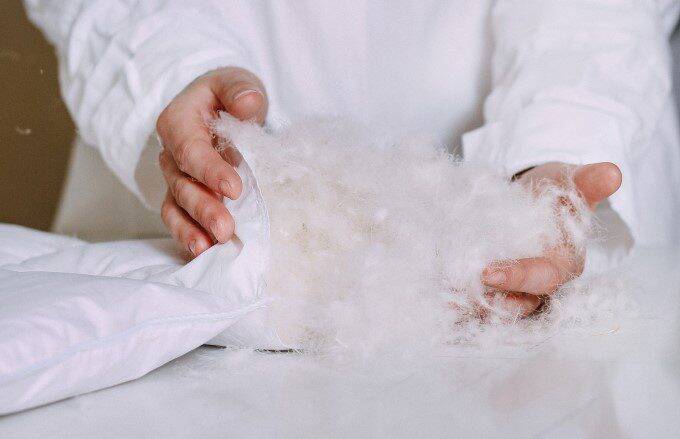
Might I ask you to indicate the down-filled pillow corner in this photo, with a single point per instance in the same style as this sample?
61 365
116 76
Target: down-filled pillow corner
66 334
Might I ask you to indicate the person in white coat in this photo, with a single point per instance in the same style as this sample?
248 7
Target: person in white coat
537 86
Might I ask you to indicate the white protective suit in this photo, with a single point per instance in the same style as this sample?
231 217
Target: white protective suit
516 82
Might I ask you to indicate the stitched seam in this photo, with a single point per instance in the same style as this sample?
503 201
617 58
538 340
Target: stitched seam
89 345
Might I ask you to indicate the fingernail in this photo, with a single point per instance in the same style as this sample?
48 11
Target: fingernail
192 247
246 92
494 278
217 229
225 188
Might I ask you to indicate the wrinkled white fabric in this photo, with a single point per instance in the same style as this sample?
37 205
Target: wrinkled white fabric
571 80
76 317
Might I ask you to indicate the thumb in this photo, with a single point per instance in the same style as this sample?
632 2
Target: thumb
597 181
242 94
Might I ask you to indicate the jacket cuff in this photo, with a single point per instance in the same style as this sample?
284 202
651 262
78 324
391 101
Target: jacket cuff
552 132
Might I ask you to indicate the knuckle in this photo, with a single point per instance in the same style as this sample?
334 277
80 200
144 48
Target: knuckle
187 154
208 174
203 211
517 276
218 170
178 187
182 154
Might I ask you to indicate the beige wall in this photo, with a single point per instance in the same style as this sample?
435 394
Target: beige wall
35 129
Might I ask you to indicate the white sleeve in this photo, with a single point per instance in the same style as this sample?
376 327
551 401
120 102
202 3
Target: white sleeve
121 62
577 81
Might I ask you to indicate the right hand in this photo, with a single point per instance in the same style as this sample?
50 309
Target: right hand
196 174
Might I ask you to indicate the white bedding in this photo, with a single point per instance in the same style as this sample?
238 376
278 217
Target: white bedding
623 382
77 317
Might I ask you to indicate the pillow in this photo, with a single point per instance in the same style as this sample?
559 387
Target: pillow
63 334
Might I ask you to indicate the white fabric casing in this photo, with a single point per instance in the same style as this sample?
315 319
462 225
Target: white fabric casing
77 317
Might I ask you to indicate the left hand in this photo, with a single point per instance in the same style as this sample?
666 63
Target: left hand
525 283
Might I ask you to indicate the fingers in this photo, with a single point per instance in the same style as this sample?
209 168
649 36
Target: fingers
537 276
196 173
597 181
197 158
185 231
183 130
241 94
517 281
201 204
186 137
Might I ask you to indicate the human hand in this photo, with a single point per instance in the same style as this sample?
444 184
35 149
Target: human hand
525 283
197 175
